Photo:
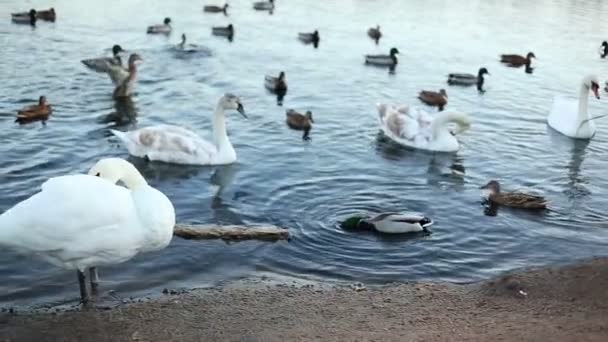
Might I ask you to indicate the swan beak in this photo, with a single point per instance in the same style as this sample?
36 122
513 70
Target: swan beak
596 92
241 110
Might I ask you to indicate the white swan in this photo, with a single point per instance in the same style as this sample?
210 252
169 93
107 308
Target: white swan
415 128
173 144
83 221
570 117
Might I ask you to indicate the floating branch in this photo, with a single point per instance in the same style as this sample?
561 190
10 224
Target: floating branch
230 233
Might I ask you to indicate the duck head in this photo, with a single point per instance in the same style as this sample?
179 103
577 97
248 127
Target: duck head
42 101
134 58
309 116
230 27
282 76
394 52
32 15
167 21
530 55
443 93
493 187
231 101
483 71
116 49
356 223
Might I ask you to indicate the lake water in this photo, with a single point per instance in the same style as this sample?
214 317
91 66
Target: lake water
346 168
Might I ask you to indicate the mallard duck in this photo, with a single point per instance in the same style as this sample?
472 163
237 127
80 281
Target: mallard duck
28 18
389 223
468 79
513 199
276 84
165 27
301 122
604 49
383 60
48 15
374 33
223 31
433 98
126 85
216 9
41 111
102 64
309 38
264 5
517 60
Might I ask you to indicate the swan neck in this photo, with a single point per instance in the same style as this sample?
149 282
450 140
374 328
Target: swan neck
220 137
583 101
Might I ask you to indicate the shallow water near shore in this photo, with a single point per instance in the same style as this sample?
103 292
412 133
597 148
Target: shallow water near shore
347 168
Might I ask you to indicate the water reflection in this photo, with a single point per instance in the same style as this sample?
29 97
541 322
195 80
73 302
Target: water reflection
125 113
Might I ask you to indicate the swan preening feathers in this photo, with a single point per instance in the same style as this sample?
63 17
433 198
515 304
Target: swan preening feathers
83 221
571 117
173 144
415 128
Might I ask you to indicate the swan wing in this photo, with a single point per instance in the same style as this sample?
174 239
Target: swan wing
563 116
73 219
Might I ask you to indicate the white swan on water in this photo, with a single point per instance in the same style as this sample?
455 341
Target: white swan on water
84 221
571 117
413 127
173 144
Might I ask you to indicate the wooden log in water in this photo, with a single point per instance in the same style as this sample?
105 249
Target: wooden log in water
230 233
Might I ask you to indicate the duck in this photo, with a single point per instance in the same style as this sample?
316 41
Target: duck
433 98
223 31
101 64
389 223
301 122
463 79
604 49
216 9
264 5
276 84
48 15
177 145
517 60
28 18
190 48
383 60
126 79
374 33
571 117
513 199
309 38
108 224
415 128
164 28
41 111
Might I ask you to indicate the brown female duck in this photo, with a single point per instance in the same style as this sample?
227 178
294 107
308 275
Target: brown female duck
513 199
374 33
433 98
517 60
300 122
41 111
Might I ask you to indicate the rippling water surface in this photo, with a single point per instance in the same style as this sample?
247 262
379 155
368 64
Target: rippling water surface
347 168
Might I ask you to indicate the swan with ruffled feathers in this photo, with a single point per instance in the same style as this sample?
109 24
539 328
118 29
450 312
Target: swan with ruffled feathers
80 222
413 127
571 117
174 144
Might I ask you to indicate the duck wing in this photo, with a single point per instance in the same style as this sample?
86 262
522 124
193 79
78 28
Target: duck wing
102 64
519 199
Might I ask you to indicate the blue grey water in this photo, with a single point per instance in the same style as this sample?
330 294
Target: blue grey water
346 168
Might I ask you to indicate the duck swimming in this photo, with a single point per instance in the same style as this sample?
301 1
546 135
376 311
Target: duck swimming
469 79
383 60
301 122
102 64
415 128
571 117
374 33
309 38
28 18
126 80
434 99
164 28
389 223
223 31
177 145
517 60
264 5
513 199
276 84
41 111
604 49
216 9
79 222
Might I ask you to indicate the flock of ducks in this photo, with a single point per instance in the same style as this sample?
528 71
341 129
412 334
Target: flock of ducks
124 221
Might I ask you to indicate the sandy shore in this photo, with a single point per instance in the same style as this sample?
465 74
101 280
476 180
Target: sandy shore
551 304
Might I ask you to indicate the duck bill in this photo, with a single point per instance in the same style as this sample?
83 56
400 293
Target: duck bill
241 110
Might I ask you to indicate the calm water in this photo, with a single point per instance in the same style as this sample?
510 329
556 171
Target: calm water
345 169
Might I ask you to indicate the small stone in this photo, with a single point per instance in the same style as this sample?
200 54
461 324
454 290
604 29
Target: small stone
165 291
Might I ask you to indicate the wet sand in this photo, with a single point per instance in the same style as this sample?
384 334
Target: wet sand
567 303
